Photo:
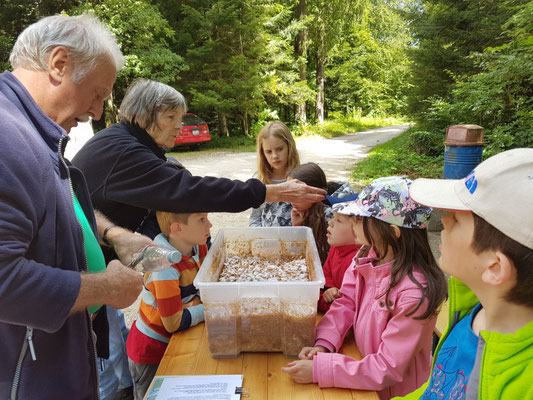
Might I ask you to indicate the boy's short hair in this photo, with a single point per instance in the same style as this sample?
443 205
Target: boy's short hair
487 237
165 219
499 193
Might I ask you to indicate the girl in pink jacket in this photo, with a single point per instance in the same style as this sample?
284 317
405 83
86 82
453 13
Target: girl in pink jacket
389 295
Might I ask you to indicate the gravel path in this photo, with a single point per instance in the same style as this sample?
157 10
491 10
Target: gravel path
336 156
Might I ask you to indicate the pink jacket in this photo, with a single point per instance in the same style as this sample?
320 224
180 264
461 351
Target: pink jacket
396 349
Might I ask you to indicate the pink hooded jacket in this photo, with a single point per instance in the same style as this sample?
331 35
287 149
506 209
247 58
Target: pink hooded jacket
396 349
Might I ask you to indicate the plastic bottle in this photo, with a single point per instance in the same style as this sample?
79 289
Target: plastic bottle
154 258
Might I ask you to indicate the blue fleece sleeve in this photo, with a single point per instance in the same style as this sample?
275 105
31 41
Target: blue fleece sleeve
197 314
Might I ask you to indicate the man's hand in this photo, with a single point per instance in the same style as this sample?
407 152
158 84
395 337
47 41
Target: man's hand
118 286
127 243
331 294
296 192
300 371
307 353
125 284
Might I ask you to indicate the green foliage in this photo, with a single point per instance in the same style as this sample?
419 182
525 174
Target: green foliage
427 143
16 15
144 36
396 157
497 93
369 69
446 33
340 125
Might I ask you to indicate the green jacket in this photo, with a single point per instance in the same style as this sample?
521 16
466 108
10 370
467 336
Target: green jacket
504 363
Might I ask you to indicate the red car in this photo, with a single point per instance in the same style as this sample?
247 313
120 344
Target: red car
194 131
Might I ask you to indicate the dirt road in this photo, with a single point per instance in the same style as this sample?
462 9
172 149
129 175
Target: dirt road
337 158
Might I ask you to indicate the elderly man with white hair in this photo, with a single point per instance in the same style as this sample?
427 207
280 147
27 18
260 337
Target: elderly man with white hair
63 69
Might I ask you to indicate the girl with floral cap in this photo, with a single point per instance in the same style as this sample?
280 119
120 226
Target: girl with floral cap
390 296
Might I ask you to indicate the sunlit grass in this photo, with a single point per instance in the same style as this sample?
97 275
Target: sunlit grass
341 126
396 157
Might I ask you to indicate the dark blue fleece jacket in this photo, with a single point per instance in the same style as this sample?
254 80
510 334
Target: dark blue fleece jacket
41 256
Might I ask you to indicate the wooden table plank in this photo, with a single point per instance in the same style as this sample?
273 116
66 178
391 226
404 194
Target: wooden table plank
255 372
188 354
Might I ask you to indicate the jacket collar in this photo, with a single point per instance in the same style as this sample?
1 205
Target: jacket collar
142 136
49 131
365 265
343 251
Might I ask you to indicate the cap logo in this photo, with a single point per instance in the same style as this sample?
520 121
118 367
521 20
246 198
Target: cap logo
471 182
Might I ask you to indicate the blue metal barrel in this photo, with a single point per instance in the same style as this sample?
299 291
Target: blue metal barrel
459 161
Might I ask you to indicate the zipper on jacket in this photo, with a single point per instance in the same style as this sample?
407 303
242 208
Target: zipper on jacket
93 342
27 343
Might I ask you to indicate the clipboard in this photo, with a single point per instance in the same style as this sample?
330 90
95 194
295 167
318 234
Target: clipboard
199 387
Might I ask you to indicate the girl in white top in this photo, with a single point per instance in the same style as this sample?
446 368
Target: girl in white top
276 156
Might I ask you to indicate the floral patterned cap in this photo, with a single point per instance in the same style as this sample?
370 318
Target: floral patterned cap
388 199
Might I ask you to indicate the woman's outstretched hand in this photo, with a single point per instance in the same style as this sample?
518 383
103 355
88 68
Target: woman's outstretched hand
296 192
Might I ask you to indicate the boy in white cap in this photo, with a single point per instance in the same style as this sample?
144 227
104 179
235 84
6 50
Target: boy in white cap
487 248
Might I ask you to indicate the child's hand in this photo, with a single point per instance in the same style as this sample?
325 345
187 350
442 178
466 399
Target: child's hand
300 371
331 294
307 353
297 217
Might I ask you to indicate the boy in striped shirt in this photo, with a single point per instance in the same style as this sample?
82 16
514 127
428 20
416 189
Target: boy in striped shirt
169 301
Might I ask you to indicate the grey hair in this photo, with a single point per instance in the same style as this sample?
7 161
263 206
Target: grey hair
86 38
146 99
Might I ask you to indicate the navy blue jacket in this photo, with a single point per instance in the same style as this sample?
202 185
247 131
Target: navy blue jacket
128 175
41 256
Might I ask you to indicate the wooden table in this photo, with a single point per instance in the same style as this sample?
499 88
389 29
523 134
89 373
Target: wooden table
188 354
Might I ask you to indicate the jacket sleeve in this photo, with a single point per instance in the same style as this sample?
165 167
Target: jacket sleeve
31 292
332 328
141 179
399 344
165 287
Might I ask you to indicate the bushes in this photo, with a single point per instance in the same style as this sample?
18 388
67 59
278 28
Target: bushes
426 143
398 157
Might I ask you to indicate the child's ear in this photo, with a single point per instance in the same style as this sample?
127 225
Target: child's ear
501 270
175 227
396 231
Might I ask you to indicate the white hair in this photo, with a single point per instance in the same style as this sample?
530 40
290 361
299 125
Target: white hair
86 38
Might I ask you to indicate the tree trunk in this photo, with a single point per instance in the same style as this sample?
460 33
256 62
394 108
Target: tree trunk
223 124
245 123
301 53
111 116
320 78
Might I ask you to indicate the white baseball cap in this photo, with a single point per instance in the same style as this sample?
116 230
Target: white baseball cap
499 190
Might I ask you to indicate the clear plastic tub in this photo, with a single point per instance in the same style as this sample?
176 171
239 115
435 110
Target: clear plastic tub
260 316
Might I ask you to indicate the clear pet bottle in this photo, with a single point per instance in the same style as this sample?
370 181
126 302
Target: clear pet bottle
154 258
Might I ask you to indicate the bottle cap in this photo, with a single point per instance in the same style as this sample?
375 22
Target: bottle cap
174 257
